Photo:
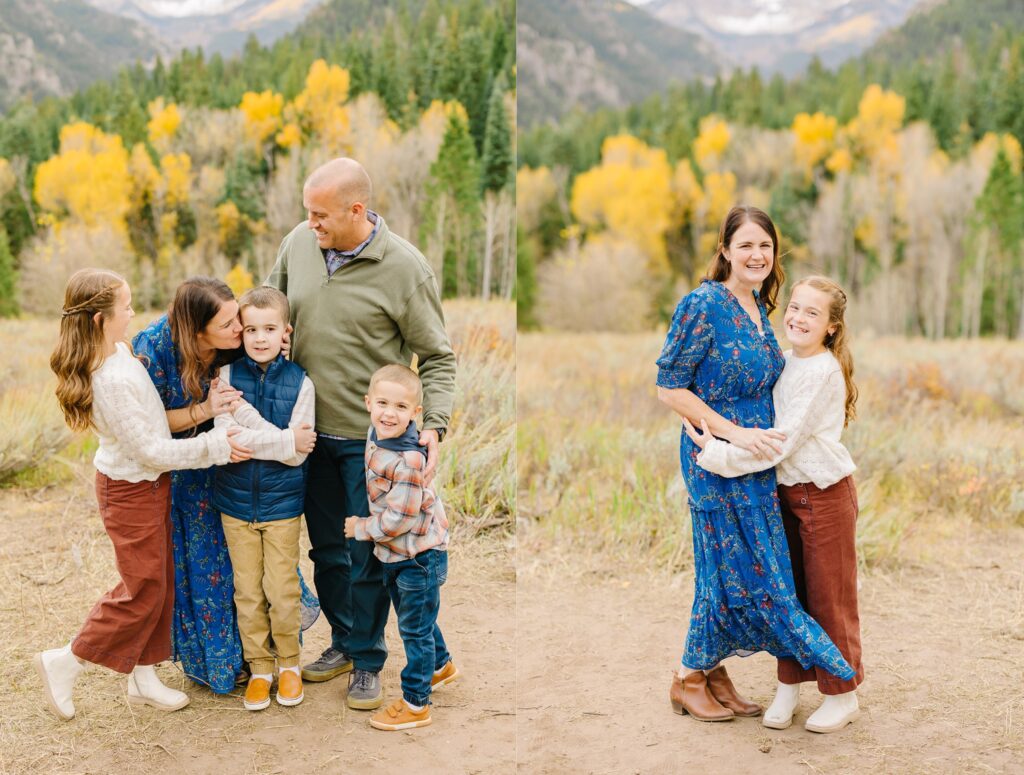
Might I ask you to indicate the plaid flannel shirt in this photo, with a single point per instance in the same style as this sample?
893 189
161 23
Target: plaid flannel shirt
406 517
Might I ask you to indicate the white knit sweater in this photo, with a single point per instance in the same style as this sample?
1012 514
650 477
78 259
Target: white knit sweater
264 439
135 439
810 406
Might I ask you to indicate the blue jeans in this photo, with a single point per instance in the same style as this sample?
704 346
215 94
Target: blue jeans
415 589
346 573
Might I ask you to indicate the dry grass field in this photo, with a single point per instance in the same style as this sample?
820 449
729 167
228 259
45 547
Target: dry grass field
605 568
56 560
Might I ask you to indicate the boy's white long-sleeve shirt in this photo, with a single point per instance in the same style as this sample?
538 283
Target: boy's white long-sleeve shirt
810 408
131 422
266 440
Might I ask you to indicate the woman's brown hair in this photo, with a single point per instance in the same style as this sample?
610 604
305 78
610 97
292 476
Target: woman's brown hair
81 344
719 269
837 340
196 302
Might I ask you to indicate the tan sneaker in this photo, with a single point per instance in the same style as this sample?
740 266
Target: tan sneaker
257 694
289 688
444 676
397 715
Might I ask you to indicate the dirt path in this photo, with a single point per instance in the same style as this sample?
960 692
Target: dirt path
943 652
55 560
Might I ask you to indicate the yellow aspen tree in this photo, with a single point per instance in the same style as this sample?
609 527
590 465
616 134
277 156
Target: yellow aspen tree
229 221
177 178
88 179
630 195
145 177
239 279
262 114
320 106
535 188
163 124
711 143
289 137
814 139
879 117
8 180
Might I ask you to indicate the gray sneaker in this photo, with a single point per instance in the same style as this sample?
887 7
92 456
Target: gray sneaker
331 664
364 691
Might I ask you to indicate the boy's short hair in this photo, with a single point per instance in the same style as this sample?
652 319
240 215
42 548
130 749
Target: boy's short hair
403 375
265 297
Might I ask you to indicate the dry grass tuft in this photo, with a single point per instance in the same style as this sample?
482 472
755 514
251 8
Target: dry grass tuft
939 442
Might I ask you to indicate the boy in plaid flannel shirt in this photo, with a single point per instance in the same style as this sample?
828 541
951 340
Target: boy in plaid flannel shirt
408 525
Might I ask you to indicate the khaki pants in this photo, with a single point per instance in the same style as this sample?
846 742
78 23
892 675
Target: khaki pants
264 556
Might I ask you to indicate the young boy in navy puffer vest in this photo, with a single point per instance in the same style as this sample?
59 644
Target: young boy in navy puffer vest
261 500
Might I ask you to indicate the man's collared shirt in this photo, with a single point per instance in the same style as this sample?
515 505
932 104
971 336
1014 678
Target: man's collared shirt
336 259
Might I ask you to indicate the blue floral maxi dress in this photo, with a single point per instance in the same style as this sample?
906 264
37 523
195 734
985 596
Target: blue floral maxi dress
744 598
204 633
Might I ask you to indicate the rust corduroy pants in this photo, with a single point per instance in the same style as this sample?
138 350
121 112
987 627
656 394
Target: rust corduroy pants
131 624
821 530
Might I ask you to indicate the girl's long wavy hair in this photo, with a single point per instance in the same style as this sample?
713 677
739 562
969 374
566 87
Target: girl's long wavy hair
837 340
196 302
719 269
81 344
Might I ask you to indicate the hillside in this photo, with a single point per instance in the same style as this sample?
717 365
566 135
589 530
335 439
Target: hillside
783 38
598 52
928 33
55 47
220 28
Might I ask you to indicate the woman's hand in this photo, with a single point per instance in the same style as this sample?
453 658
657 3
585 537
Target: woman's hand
238 452
222 398
700 439
761 442
305 438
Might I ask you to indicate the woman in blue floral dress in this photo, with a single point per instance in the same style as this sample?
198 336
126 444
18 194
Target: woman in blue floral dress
182 352
719 363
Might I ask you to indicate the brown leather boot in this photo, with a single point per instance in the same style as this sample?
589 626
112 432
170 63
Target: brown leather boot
691 695
723 690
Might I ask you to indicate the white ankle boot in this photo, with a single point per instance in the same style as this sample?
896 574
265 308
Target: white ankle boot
780 713
59 668
835 712
144 688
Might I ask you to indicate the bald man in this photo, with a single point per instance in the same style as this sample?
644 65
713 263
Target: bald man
361 297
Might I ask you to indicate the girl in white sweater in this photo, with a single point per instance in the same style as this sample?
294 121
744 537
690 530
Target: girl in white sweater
101 385
814 400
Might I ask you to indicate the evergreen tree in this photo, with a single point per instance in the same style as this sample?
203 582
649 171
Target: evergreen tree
526 280
454 189
8 279
497 156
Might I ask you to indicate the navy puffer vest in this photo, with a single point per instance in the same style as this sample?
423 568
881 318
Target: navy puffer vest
264 490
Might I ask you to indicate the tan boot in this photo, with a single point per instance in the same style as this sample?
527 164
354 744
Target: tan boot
691 695
723 690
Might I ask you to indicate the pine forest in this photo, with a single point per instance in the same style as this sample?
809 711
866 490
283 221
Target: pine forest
195 165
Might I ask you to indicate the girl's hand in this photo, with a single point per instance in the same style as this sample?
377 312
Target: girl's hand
305 438
350 527
238 452
222 398
700 439
761 442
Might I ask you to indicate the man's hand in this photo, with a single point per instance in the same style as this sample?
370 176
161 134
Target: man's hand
350 527
428 439
286 341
